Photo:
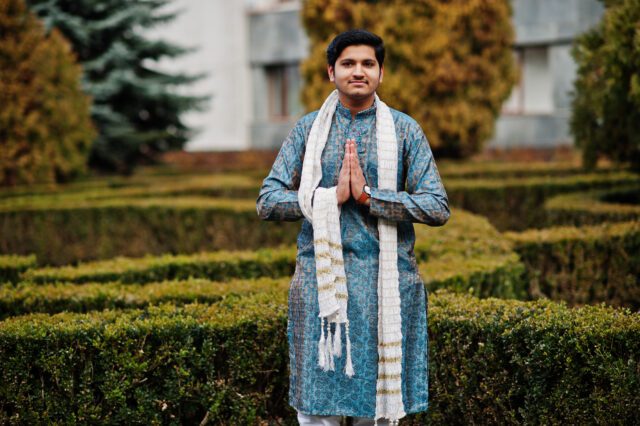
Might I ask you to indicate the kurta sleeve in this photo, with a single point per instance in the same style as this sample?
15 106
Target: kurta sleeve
278 198
425 199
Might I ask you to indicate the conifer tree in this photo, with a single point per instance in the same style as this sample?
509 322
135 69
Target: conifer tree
449 64
137 108
605 118
45 126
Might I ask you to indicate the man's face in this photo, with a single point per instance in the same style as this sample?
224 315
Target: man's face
357 73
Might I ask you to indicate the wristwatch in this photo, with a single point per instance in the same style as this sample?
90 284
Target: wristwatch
366 194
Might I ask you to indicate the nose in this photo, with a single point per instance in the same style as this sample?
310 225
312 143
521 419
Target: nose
358 70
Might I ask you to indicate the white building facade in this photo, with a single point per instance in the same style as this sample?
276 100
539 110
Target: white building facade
251 51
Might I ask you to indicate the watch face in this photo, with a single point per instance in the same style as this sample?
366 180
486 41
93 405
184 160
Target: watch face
367 190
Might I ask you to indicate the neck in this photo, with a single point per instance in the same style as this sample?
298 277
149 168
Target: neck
357 105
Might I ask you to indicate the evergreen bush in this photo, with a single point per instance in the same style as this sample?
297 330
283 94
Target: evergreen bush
449 64
45 128
605 118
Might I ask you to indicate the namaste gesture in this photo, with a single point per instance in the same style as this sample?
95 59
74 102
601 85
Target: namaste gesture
351 180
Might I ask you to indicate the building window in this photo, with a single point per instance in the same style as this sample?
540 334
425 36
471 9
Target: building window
533 93
283 83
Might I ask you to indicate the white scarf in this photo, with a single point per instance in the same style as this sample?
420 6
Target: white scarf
324 215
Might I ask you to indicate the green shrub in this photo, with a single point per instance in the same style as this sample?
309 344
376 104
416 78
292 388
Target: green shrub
99 229
63 296
491 361
215 266
590 207
228 185
451 169
605 114
12 266
163 364
469 255
516 204
585 265
494 361
482 276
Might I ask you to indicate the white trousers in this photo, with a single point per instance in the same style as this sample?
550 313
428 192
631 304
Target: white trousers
309 420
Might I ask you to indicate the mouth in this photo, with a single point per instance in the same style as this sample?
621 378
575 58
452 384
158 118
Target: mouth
358 82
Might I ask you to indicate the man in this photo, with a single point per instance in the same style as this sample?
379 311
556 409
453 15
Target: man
358 173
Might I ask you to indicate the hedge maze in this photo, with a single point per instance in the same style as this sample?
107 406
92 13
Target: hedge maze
163 300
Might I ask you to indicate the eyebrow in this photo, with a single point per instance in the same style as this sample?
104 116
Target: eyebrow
353 60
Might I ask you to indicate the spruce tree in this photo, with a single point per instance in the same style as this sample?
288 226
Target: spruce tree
137 108
449 64
45 126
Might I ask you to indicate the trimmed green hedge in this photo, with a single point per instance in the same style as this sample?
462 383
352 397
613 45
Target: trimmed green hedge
491 361
585 265
215 266
466 254
507 362
469 255
63 296
164 364
513 169
13 266
88 225
225 361
500 276
593 207
134 227
516 204
218 185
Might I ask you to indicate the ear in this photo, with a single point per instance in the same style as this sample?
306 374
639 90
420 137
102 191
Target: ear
330 72
381 72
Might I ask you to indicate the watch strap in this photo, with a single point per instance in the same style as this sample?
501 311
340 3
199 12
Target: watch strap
363 197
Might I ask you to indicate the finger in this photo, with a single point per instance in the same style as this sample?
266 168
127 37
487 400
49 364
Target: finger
354 158
353 167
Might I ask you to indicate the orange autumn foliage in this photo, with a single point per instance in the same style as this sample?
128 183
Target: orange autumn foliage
448 64
45 127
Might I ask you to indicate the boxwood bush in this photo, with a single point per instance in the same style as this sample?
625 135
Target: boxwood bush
517 204
584 265
13 266
593 207
492 361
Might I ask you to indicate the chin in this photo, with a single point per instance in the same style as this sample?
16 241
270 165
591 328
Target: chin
360 95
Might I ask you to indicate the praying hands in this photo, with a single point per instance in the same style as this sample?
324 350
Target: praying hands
351 179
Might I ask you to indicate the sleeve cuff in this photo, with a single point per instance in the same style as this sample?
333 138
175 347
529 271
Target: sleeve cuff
384 195
378 201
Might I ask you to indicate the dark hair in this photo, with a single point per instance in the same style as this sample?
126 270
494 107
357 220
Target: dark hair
354 38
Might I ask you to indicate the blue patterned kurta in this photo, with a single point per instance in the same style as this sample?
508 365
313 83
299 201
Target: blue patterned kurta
312 390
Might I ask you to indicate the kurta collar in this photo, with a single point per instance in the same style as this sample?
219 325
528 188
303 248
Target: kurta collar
344 111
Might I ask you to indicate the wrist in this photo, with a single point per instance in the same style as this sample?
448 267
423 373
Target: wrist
365 195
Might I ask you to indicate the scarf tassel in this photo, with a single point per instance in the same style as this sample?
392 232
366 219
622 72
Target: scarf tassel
393 422
348 369
328 347
321 346
337 341
331 345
